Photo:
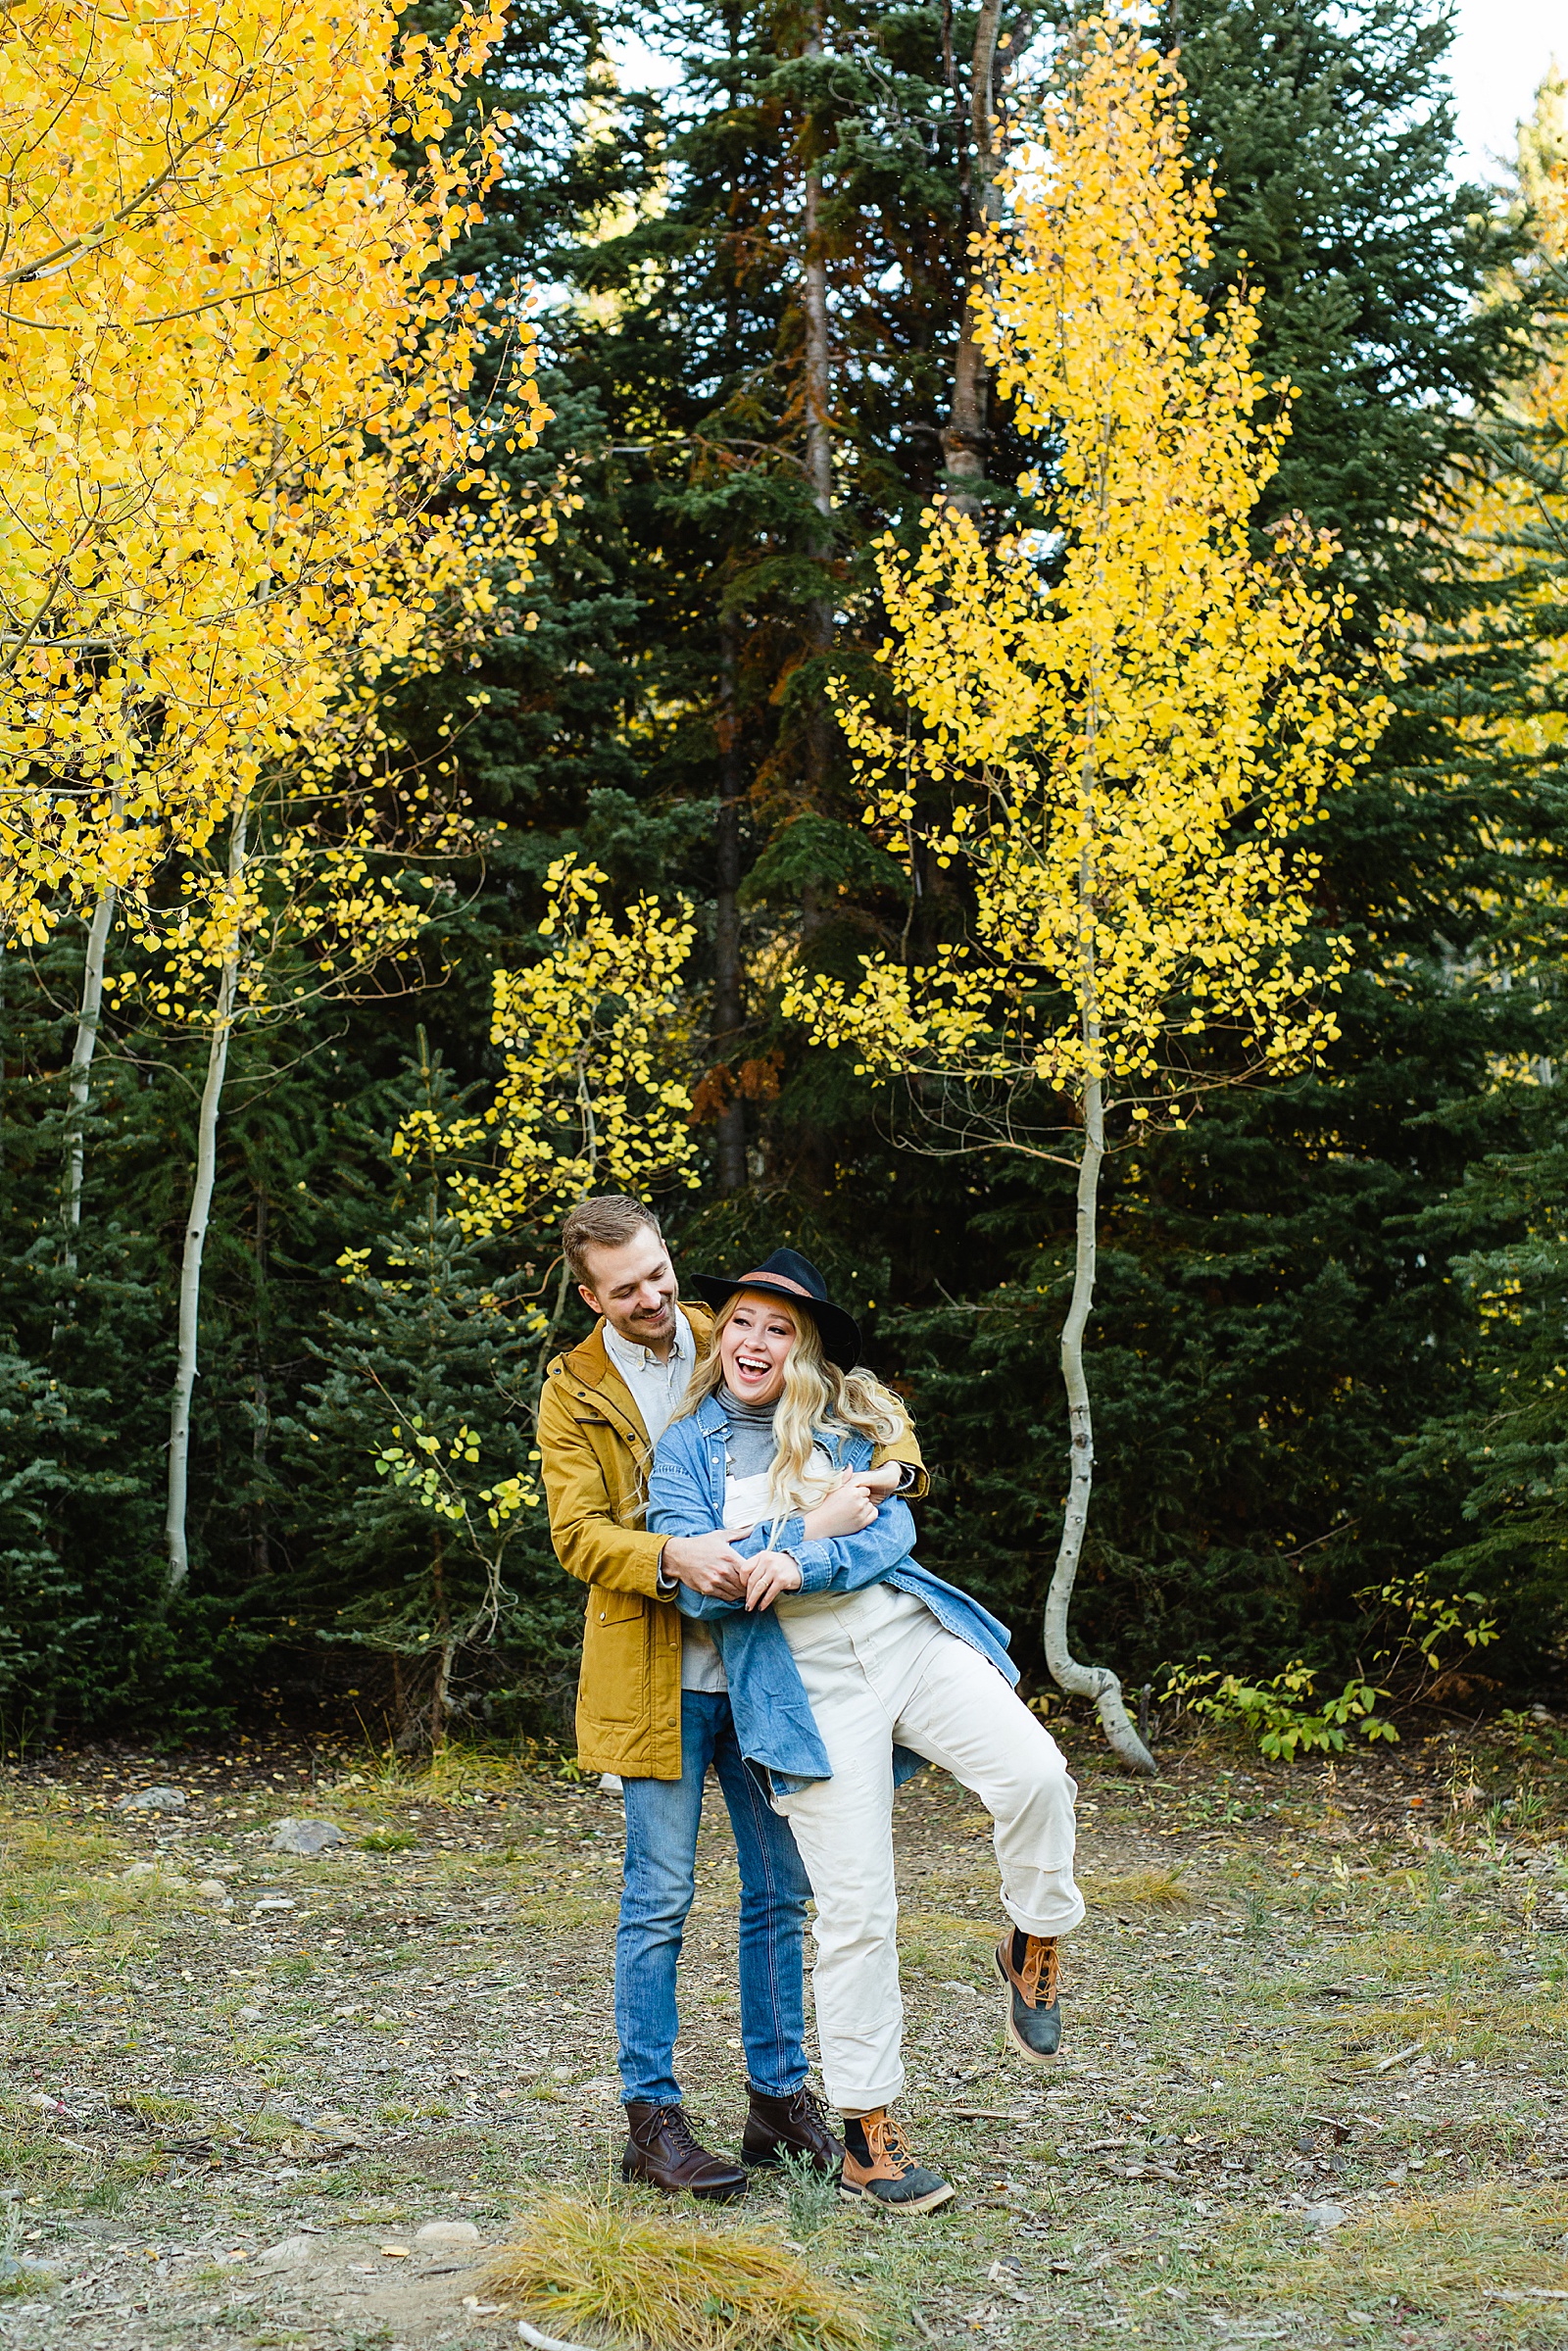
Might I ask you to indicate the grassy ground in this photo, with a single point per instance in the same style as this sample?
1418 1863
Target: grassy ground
1312 2088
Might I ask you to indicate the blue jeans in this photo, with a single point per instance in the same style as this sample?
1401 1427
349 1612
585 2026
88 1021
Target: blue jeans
661 1818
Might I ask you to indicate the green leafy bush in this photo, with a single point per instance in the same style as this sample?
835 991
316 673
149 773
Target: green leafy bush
1280 1713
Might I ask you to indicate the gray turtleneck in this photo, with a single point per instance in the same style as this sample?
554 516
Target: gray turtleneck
751 1441
751 1447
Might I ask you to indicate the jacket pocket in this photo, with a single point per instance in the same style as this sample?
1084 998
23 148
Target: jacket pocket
616 1672
614 1607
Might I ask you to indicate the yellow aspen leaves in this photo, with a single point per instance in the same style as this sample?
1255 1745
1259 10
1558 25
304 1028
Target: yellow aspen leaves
241 447
594 1041
332 900
1118 728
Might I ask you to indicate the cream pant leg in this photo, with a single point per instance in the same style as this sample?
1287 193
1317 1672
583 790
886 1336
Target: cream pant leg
888 1674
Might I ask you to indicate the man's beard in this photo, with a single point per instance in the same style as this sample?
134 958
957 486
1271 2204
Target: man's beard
651 1320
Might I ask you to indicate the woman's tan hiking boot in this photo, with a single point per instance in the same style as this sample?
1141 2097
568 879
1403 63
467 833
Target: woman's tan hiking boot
1030 1968
880 2167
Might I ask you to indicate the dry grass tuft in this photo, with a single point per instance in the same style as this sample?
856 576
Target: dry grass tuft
636 2278
1474 2251
452 1774
1153 1887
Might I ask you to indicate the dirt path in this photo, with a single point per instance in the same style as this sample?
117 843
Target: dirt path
1313 2089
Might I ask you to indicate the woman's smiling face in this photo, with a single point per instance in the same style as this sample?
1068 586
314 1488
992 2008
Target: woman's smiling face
753 1348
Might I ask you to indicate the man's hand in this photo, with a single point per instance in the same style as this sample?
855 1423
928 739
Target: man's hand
881 1482
705 1564
847 1511
769 1574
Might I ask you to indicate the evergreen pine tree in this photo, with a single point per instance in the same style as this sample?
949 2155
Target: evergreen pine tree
415 1510
1498 1447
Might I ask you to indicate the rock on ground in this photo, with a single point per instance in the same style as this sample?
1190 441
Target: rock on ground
307 1836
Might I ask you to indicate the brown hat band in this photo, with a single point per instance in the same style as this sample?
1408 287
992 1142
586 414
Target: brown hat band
777 1281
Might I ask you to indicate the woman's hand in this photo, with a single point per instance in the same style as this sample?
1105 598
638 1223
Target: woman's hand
848 1510
769 1574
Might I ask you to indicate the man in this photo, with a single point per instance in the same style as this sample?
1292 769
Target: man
653 1707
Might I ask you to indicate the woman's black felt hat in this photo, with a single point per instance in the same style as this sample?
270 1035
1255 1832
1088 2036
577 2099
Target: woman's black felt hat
789 1276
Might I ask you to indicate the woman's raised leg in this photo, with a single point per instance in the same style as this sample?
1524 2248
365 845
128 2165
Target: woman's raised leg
962 1715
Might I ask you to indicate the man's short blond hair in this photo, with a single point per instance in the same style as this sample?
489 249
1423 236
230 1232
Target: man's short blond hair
608 1221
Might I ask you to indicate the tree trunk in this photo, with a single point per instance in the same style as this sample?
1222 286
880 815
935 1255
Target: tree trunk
406 1728
261 1546
813 308
547 1344
92 997
445 1646
190 1269
727 1008
963 441
819 386
727 974
1096 1681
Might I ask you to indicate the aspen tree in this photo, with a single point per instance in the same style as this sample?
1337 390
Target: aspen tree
313 899
234 401
419 1450
239 461
82 1058
595 1041
1117 734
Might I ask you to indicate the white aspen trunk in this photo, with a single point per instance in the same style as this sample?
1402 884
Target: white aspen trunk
92 997
1096 1681
191 1268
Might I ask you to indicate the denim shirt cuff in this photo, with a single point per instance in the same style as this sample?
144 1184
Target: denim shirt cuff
814 1561
791 1536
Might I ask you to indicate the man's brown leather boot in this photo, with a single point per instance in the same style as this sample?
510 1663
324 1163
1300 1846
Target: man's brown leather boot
796 2126
662 2150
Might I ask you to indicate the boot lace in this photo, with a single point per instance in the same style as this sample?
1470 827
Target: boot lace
673 2121
885 2137
1042 1971
807 2103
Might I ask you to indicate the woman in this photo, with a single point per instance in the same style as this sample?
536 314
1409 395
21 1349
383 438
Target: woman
848 1665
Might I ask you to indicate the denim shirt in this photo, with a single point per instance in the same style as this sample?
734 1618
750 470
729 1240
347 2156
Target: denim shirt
773 1719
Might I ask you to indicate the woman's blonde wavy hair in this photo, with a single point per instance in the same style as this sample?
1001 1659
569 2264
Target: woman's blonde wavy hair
816 1396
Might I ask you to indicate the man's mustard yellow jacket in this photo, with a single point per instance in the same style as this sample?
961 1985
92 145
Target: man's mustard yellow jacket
594 1452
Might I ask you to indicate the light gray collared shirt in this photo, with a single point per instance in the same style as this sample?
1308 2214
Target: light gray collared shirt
655 1388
